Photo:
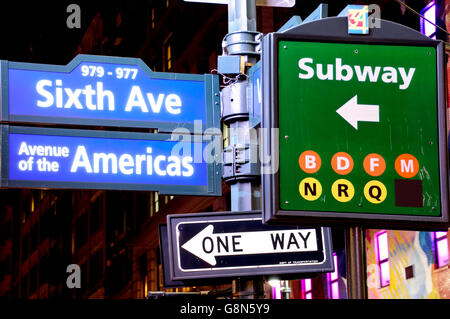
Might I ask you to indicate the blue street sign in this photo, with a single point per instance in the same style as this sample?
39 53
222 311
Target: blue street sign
63 158
108 91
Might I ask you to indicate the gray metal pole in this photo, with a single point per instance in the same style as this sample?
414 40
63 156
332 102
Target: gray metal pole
241 41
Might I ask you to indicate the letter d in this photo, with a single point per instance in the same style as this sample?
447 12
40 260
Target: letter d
342 163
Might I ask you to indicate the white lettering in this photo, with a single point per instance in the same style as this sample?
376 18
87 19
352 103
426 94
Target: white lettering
173 104
43 150
187 165
105 158
174 166
367 71
101 94
23 149
389 75
155 106
126 164
328 76
136 99
158 169
407 167
407 78
81 159
342 163
340 68
68 98
309 70
374 162
345 72
89 92
310 162
48 96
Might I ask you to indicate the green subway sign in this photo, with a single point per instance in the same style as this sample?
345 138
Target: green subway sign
362 134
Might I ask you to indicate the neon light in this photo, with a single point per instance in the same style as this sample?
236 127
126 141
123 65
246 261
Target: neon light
441 248
306 288
383 258
276 289
429 12
332 278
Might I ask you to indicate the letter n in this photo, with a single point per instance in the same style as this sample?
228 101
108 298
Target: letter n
312 190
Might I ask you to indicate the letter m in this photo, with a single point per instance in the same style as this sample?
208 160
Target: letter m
105 159
407 167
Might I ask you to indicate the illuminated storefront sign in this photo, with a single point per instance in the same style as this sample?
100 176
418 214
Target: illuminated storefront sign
107 91
60 158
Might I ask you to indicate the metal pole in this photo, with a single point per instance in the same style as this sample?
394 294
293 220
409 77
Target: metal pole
241 43
356 270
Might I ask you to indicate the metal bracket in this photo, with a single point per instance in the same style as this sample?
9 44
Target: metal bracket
239 165
234 102
242 43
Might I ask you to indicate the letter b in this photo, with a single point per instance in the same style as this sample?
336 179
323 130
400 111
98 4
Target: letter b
348 71
309 162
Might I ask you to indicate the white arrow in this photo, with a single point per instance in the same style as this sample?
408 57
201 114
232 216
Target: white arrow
353 112
208 246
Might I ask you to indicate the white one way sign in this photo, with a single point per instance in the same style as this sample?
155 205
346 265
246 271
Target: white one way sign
229 244
207 245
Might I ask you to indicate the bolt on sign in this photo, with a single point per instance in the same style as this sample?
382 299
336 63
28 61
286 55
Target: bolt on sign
362 132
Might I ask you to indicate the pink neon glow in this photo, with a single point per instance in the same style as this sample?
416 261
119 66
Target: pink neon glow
383 257
276 291
334 274
429 12
333 284
307 284
307 288
442 249
335 290
440 234
383 247
384 274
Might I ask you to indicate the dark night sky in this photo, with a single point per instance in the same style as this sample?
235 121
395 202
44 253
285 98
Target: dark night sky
36 31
